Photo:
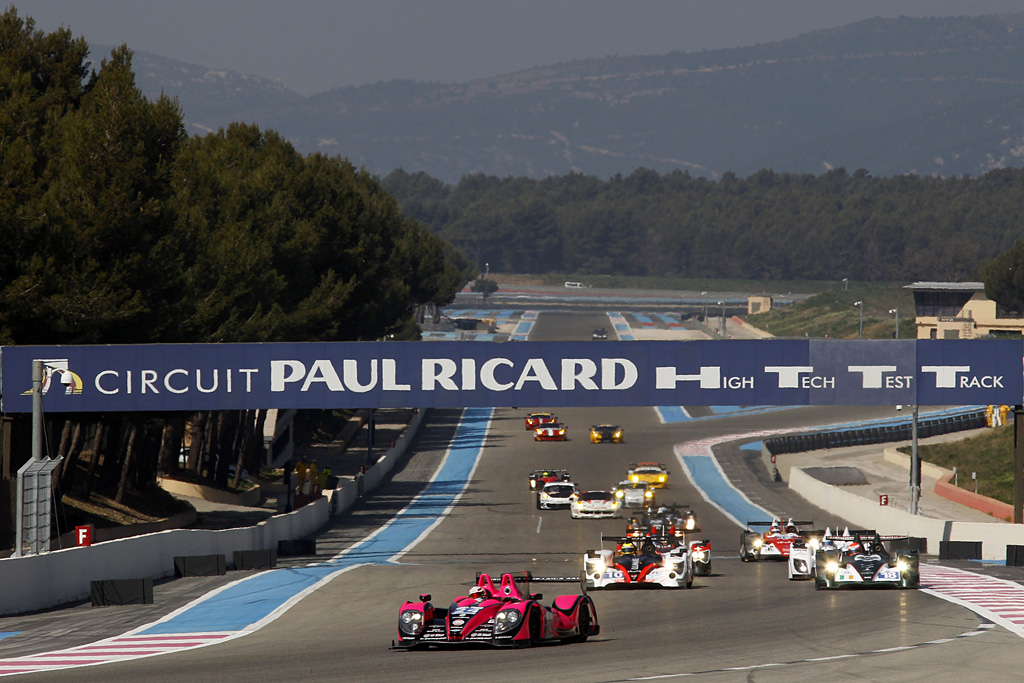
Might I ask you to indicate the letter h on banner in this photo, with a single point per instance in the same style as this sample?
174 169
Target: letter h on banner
710 377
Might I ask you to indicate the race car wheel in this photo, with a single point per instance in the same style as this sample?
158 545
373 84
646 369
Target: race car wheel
744 555
534 625
538 503
584 625
583 581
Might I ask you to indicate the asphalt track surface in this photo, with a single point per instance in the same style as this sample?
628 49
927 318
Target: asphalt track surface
744 623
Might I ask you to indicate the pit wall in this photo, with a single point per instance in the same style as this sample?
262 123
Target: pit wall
43 581
868 514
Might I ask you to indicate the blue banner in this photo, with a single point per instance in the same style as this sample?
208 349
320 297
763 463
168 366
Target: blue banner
190 377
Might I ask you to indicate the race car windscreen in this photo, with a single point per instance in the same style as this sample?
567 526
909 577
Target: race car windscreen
596 495
560 491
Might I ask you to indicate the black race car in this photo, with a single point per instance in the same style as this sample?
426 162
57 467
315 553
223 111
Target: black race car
600 333
864 561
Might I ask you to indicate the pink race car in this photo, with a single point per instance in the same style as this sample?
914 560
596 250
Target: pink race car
501 616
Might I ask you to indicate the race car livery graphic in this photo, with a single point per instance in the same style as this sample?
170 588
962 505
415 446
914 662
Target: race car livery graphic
506 615
639 563
773 544
866 563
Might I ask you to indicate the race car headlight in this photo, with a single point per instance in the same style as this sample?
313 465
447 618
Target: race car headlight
544 494
690 523
410 621
618 494
799 565
596 565
832 567
635 479
506 619
698 555
758 542
813 543
661 478
901 566
533 484
617 435
648 494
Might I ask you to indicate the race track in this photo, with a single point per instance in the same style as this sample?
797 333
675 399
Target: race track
744 623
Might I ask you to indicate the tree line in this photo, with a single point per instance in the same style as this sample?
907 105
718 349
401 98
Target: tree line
119 228
768 226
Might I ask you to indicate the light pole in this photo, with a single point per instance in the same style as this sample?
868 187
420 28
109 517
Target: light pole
722 304
705 295
487 270
860 327
846 283
896 312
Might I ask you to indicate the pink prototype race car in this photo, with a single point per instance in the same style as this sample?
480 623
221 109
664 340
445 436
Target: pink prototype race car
501 616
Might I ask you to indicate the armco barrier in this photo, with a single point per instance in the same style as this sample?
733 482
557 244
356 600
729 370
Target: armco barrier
902 431
866 513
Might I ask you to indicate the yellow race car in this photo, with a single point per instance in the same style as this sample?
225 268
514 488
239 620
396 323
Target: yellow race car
606 434
653 473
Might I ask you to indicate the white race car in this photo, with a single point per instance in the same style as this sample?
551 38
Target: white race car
638 563
634 494
594 504
556 494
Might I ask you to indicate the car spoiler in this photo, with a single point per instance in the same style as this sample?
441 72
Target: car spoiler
536 472
785 522
633 539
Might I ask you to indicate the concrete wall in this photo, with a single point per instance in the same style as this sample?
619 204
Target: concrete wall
42 581
865 513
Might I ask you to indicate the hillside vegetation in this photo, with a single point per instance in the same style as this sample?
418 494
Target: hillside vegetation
768 226
892 95
989 455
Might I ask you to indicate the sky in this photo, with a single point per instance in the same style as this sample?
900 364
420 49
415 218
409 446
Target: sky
316 45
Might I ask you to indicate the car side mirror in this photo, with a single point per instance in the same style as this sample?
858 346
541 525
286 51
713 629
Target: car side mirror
536 596
425 597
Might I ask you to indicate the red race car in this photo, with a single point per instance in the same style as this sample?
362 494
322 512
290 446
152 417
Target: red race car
555 431
503 616
540 477
534 420
772 544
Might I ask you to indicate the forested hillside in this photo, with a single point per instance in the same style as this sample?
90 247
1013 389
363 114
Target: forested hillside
891 95
771 226
117 228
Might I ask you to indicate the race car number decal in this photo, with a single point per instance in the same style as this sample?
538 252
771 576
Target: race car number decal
888 574
613 574
467 611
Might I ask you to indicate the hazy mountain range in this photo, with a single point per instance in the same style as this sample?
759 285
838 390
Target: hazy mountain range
892 96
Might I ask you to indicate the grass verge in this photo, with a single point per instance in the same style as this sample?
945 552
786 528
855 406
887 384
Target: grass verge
989 455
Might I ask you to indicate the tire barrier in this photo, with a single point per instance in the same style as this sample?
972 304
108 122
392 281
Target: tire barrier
872 434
